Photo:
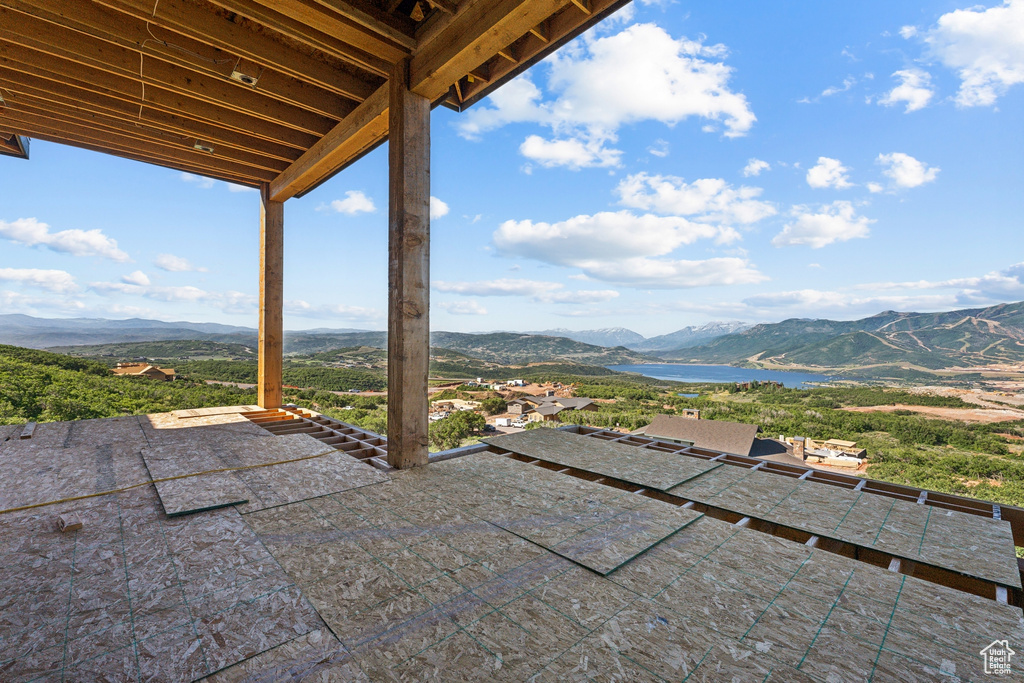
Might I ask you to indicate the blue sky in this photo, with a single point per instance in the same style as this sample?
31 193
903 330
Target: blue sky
682 163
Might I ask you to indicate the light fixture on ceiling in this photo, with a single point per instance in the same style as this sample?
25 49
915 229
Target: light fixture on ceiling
203 147
244 78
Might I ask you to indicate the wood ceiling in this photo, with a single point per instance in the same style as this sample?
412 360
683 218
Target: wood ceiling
153 80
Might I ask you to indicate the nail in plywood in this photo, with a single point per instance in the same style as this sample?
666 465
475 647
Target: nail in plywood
650 469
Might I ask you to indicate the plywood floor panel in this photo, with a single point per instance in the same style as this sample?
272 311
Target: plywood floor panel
652 469
208 594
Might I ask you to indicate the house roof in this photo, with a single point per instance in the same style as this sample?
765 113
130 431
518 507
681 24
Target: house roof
575 403
728 437
258 91
465 569
548 409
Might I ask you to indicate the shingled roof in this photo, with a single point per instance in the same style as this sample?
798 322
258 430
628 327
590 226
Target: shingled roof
728 437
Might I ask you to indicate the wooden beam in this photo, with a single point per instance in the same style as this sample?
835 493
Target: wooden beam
149 157
320 35
171 152
359 131
53 69
310 13
584 6
408 272
22 85
472 37
561 26
395 28
79 49
136 36
223 33
104 125
271 333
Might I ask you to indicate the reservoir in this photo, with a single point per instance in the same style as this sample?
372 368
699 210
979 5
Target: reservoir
685 372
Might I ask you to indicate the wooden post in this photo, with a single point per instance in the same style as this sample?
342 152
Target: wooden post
408 271
271 300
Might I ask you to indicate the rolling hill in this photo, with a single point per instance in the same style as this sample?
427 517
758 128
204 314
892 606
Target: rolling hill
968 338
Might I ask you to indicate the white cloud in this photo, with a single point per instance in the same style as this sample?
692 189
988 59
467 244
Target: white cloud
754 167
11 302
619 248
660 148
538 290
59 281
648 273
915 89
603 236
136 278
198 181
905 171
1003 285
875 188
598 85
229 301
32 232
585 151
984 46
828 173
848 83
332 311
438 209
232 187
463 308
835 222
706 200
355 201
175 264
908 31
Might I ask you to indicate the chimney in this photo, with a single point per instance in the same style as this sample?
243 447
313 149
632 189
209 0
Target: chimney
798 448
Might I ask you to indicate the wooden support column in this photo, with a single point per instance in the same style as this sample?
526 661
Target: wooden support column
408 271
271 300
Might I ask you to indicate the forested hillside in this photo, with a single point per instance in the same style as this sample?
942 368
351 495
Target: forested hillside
42 386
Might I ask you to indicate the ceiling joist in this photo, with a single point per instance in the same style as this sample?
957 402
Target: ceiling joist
277 92
18 84
101 25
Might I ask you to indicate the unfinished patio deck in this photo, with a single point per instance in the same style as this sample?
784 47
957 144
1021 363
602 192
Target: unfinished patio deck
292 557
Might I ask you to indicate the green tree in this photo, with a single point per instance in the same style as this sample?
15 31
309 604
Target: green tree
493 406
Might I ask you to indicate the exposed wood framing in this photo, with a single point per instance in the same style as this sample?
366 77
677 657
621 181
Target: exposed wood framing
563 24
222 33
359 131
73 101
408 272
394 27
310 26
271 333
462 46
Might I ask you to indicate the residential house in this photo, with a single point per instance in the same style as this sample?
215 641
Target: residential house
717 435
144 370
547 408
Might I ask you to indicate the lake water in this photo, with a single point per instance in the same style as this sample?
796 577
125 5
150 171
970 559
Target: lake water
685 372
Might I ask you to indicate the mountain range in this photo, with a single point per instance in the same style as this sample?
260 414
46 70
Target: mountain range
621 336
966 338
24 330
971 337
